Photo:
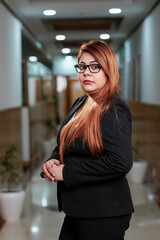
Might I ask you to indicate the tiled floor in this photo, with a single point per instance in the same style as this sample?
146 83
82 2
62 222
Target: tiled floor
145 223
41 220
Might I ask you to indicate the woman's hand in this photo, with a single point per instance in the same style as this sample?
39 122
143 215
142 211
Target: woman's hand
47 168
58 169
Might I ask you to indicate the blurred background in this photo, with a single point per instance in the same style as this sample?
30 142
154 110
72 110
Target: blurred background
39 42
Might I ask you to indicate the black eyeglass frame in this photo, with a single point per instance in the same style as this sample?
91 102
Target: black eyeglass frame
85 67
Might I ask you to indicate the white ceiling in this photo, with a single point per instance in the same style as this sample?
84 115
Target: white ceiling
30 12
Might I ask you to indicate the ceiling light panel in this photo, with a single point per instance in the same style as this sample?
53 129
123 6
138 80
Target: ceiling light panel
66 50
60 37
33 59
104 36
49 12
115 10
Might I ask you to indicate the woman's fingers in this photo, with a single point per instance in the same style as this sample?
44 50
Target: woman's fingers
48 170
57 162
50 180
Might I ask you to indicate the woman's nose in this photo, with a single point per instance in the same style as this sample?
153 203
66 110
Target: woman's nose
87 71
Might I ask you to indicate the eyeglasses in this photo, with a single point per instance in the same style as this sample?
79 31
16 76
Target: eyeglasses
93 68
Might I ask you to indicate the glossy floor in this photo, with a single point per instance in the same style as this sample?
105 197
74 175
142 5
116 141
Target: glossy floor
41 220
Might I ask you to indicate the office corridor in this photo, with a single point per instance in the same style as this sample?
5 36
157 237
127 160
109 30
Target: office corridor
41 220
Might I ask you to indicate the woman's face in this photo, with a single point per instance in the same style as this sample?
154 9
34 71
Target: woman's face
91 82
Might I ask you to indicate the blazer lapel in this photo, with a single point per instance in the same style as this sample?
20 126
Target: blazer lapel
72 112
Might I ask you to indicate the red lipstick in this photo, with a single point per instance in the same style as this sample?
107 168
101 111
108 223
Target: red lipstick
87 81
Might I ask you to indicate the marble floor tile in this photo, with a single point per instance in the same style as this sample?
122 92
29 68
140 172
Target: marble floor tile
41 220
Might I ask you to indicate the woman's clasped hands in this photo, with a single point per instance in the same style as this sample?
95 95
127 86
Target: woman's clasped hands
53 170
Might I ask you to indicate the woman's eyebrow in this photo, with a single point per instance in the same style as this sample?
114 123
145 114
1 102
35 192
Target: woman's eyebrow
94 61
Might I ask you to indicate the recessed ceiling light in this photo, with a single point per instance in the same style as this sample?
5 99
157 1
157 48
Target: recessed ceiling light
33 59
65 50
105 36
115 10
60 37
49 12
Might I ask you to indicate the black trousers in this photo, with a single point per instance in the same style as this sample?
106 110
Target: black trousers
111 228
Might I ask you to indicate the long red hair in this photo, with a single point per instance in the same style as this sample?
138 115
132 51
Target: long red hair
86 124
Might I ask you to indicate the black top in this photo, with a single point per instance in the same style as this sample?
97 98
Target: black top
97 187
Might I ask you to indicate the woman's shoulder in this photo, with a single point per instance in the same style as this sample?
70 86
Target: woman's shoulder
119 106
119 103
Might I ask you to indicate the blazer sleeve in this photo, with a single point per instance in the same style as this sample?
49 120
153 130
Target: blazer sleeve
116 161
55 154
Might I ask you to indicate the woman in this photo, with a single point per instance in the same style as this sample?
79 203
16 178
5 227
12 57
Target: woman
93 154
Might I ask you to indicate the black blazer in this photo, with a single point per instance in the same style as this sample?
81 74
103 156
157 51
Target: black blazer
97 187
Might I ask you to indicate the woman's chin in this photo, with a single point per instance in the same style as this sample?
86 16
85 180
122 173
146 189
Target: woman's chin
90 91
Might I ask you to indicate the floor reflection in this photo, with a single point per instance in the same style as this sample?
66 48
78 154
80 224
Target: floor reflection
42 221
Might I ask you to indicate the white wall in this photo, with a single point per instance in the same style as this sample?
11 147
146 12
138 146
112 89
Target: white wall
151 58
35 71
38 69
63 66
10 60
25 125
145 41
